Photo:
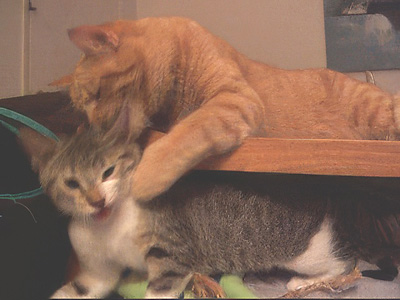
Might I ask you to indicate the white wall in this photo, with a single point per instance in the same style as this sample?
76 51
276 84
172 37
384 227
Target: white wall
11 50
35 49
285 33
52 55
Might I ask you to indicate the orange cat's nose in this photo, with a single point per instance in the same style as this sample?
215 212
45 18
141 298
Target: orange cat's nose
98 203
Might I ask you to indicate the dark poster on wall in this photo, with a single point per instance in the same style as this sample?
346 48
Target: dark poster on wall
362 34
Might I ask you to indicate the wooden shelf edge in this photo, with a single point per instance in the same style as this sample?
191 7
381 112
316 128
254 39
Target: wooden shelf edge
369 158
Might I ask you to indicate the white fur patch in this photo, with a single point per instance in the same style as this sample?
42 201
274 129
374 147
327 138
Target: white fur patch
108 190
318 261
109 245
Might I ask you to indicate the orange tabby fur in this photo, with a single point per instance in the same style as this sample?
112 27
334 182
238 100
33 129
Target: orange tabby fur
174 75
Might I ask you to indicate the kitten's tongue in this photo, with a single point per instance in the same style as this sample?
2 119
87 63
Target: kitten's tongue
102 214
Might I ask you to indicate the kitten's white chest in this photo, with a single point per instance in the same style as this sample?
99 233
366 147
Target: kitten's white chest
111 240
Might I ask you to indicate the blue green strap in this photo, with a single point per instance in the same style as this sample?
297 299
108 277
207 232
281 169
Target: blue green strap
26 121
34 125
24 195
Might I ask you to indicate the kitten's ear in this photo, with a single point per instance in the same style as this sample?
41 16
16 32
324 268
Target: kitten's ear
121 126
64 81
38 147
93 40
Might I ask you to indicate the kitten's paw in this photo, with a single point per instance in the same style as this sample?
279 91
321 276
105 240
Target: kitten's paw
66 292
60 295
167 286
154 295
71 290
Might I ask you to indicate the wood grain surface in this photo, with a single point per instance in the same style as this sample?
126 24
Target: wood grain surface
309 156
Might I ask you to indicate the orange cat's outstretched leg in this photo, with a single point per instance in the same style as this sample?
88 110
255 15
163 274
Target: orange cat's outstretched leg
218 127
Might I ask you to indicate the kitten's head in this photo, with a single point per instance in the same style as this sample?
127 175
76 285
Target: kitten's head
86 174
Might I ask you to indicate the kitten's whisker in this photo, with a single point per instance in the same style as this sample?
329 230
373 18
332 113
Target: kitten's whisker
86 219
33 217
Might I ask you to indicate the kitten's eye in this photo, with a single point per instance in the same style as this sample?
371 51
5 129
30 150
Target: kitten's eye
72 183
107 173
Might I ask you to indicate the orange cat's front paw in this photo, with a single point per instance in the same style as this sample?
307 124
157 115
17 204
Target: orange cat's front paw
161 165
152 177
147 185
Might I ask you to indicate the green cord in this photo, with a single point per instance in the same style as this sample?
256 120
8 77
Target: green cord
34 125
26 121
24 195
9 127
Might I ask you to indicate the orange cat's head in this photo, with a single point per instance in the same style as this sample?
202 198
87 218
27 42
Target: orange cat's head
93 83
116 65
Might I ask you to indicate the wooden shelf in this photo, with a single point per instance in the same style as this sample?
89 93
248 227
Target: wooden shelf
319 157
309 156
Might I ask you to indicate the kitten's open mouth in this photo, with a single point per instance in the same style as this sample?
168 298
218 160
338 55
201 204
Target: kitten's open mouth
102 214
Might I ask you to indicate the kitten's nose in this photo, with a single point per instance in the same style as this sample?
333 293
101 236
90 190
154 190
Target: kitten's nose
95 198
98 203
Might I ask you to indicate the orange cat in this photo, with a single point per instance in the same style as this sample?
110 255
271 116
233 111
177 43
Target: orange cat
174 75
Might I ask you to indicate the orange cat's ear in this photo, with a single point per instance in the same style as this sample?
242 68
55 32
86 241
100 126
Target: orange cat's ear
64 81
94 40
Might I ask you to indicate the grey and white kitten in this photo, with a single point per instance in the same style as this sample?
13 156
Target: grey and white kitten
208 222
